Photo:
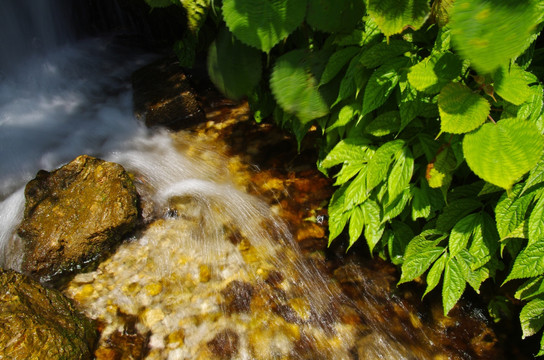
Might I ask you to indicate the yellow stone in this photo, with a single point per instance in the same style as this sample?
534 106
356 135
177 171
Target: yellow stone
177 337
205 273
153 289
152 316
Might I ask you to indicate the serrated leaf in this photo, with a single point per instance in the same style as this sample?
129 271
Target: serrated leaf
485 241
401 173
453 286
378 165
511 84
489 34
501 153
435 273
440 11
410 106
421 205
394 207
511 212
384 124
295 86
381 84
532 317
373 226
461 110
530 289
347 172
337 216
529 262
354 81
356 224
455 211
462 232
356 192
336 62
196 12
234 68
380 53
531 109
263 24
536 175
337 16
421 252
394 16
348 150
434 72
536 222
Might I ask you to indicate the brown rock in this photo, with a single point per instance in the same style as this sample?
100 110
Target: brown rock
75 214
40 323
225 344
163 96
238 296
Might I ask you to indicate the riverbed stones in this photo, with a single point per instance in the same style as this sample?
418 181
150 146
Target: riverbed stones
74 215
163 96
40 323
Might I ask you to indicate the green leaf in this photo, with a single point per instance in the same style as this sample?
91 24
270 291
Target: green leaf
381 84
295 86
461 110
536 222
336 62
434 72
490 33
501 153
337 216
384 124
421 252
511 213
337 16
511 84
454 285
532 317
378 165
234 68
354 81
455 211
435 273
196 12
530 289
462 232
440 171
485 241
373 226
394 207
394 16
529 262
347 172
421 205
356 192
440 11
401 173
411 104
356 223
536 175
348 150
263 24
380 53
345 116
401 236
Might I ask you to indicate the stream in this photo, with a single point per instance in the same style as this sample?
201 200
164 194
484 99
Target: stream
233 264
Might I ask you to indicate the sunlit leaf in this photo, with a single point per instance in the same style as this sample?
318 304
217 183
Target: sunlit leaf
351 149
263 24
378 165
421 205
461 110
529 262
356 223
454 285
384 124
530 289
490 33
511 84
501 153
401 173
511 213
440 171
434 72
421 252
536 222
532 317
374 228
462 232
435 273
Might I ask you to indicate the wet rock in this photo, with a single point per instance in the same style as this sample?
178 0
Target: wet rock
225 344
75 214
238 296
163 96
40 323
123 346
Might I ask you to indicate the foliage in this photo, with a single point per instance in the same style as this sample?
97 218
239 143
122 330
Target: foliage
431 116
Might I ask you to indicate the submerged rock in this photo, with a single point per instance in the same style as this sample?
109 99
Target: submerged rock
163 96
40 323
75 214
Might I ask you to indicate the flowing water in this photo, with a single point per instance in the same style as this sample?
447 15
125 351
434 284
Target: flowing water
216 273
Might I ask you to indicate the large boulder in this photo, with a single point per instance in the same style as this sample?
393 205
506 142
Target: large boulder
164 96
75 214
40 323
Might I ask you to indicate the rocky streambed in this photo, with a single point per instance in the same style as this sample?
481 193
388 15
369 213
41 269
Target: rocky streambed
230 261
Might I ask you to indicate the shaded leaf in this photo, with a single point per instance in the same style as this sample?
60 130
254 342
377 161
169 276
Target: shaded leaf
336 62
337 16
530 288
380 53
434 72
384 124
455 211
234 68
421 205
394 16
263 24
461 110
